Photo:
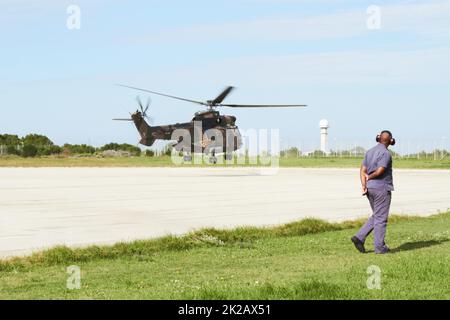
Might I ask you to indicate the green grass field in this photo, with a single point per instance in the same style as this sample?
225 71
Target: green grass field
165 161
310 259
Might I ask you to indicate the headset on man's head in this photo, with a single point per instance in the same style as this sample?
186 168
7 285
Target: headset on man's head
378 138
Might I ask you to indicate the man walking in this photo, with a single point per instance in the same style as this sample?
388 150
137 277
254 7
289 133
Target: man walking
377 185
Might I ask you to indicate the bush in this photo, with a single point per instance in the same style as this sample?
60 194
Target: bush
319 154
29 151
290 153
37 140
12 150
50 150
149 153
113 153
133 150
78 149
168 150
42 143
9 140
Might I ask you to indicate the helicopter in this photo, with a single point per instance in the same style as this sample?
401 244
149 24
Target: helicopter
213 133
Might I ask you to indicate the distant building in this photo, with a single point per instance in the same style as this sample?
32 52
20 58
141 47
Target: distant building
324 125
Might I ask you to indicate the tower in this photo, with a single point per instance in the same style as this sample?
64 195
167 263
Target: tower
324 125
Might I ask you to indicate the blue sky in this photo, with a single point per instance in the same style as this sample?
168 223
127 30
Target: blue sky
60 82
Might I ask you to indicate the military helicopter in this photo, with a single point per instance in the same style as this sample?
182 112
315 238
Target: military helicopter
215 133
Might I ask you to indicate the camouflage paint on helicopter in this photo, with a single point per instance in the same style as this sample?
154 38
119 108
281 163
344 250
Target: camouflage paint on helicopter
203 133
208 132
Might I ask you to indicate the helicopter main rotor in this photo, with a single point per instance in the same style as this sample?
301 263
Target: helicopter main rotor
217 102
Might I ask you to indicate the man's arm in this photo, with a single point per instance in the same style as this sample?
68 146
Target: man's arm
378 173
363 176
383 162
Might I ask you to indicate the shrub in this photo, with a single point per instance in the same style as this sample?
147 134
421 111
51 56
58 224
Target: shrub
168 150
12 150
133 150
78 149
149 153
9 140
50 150
40 142
37 140
29 151
291 152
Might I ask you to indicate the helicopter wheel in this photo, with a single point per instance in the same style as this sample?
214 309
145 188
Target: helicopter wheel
229 156
187 158
212 158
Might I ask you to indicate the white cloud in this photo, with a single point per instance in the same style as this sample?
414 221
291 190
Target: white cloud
425 18
415 67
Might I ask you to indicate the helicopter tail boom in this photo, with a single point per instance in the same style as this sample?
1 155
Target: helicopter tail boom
145 130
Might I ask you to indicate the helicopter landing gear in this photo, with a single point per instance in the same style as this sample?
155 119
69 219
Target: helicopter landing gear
229 156
212 158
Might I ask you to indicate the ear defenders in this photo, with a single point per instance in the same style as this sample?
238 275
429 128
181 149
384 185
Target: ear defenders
378 138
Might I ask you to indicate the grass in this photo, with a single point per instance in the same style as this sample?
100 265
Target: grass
399 163
309 259
165 161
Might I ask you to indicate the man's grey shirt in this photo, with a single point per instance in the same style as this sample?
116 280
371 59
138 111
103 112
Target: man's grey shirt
379 156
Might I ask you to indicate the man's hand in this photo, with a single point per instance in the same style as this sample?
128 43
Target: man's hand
364 191
375 175
364 185
364 178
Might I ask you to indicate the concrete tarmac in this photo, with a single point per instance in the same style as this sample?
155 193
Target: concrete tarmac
43 207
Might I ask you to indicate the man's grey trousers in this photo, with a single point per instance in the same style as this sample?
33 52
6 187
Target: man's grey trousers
380 202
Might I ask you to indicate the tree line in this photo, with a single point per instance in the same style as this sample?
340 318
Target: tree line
358 151
33 145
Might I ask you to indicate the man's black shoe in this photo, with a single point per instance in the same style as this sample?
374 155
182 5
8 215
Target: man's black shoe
385 251
359 245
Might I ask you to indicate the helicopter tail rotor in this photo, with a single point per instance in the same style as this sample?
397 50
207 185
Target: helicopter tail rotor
143 109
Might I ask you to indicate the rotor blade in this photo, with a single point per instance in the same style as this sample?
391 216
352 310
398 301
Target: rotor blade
263 105
123 119
138 99
162 94
223 95
149 101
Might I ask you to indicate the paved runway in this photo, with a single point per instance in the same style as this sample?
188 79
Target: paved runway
42 207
